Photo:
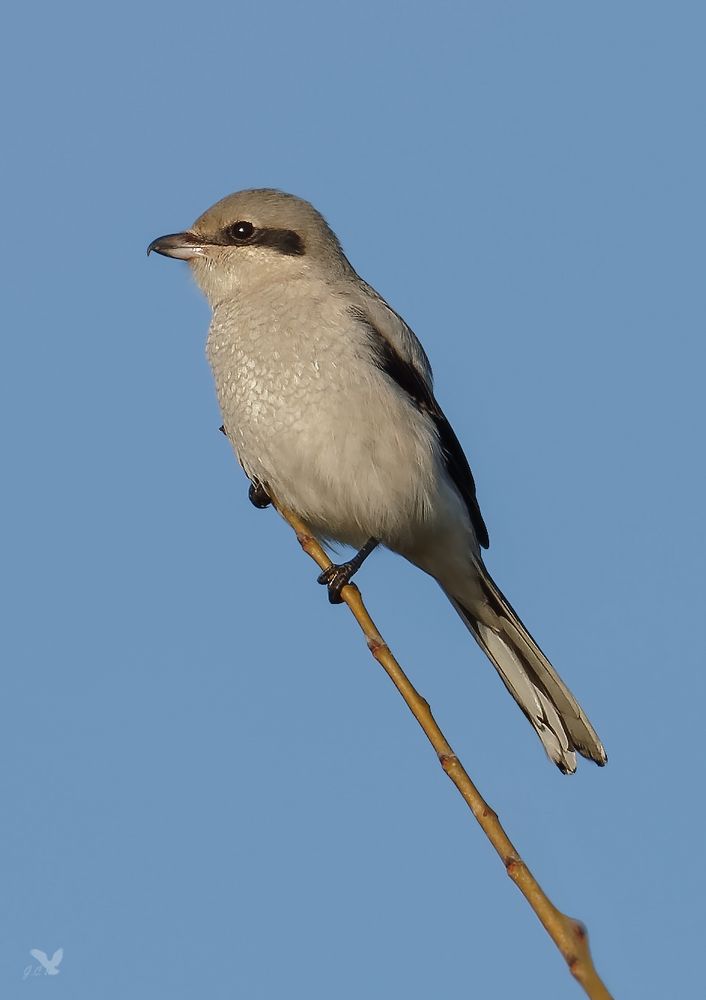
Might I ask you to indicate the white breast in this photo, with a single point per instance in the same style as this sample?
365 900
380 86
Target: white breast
313 418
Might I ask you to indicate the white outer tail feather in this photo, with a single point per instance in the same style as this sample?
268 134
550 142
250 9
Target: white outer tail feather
552 710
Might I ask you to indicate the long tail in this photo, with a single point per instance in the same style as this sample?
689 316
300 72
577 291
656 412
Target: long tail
530 678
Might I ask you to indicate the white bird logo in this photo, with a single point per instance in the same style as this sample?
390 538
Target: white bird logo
50 964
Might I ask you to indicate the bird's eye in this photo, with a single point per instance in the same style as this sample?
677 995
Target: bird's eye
240 232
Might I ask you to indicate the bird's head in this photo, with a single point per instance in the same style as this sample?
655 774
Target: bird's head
261 235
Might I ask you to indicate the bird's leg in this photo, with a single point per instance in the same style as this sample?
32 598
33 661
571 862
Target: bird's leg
337 576
258 496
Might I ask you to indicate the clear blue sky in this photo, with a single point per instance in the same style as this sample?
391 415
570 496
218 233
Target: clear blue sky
209 789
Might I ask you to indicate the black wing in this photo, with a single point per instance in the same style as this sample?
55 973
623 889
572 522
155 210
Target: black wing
413 383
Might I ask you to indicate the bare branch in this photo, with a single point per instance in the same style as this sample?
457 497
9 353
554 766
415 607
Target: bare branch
569 935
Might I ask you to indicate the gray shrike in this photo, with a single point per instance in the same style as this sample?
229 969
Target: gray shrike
327 399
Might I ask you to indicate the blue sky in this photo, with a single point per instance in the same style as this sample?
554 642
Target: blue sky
209 788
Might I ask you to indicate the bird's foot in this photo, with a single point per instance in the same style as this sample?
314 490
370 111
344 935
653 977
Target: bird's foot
336 577
258 496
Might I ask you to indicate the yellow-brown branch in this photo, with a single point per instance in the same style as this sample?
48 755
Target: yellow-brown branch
568 935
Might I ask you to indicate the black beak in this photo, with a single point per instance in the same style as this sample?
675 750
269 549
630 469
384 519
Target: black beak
183 246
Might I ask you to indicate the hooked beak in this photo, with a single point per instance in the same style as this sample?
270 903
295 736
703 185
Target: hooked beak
183 246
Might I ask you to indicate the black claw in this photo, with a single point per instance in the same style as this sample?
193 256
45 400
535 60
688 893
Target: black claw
258 496
336 578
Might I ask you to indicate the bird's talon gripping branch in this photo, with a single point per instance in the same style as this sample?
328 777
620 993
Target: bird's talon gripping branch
258 496
336 577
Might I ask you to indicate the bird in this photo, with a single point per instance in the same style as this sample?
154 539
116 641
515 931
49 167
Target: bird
50 965
327 398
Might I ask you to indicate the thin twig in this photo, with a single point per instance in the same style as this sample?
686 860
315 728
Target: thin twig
569 935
